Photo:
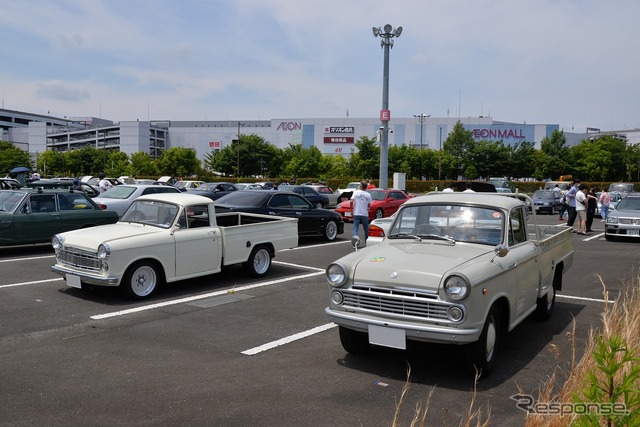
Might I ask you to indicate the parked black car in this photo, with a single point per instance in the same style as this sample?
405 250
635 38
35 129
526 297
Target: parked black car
547 201
315 198
311 220
214 190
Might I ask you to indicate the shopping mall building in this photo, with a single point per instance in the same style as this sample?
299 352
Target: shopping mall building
37 133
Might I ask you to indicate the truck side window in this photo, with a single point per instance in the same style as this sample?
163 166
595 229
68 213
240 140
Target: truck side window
517 229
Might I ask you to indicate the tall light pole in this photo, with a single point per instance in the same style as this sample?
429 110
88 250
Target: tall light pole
386 35
238 157
421 117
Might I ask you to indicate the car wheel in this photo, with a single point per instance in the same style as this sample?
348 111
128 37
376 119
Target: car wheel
141 280
545 305
330 231
379 213
353 342
259 262
481 355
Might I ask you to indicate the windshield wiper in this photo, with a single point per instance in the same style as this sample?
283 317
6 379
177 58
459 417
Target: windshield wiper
437 237
404 236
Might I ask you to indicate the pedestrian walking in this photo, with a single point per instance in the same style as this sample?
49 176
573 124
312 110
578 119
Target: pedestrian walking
605 200
360 203
565 206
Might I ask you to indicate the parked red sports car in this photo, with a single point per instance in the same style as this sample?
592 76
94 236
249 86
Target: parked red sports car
385 203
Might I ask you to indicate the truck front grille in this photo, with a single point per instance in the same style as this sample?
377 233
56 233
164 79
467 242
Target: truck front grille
399 302
82 260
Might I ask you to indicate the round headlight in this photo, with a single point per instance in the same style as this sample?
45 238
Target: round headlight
336 275
456 288
455 314
337 297
104 251
57 241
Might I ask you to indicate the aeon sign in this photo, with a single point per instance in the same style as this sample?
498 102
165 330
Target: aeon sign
289 126
498 134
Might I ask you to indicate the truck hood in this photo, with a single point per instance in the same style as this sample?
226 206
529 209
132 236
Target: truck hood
411 264
91 238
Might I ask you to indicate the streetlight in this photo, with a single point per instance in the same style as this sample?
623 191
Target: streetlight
386 35
238 157
421 117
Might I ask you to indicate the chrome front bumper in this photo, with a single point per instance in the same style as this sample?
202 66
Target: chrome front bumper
426 333
91 279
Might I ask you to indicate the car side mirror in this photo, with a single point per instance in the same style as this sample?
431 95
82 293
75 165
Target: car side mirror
500 251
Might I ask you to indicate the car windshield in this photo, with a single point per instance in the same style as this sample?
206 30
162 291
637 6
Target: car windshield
629 204
543 194
9 200
449 222
628 188
119 192
377 194
151 212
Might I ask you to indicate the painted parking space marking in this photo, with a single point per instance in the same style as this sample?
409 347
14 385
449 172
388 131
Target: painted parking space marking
34 282
289 339
203 296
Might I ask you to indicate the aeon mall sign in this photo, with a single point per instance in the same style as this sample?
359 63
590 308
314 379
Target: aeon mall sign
289 126
488 133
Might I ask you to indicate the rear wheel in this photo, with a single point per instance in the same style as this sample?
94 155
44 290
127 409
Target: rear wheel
353 342
141 280
259 262
330 231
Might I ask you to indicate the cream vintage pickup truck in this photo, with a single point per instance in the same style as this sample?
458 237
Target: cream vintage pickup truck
166 238
458 268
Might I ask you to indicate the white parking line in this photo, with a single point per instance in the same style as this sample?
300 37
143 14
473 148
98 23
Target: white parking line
203 296
26 259
35 282
597 236
583 298
287 340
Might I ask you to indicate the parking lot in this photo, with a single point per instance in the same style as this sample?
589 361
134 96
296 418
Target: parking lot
227 349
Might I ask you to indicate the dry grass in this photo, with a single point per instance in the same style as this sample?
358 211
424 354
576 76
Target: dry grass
619 319
473 416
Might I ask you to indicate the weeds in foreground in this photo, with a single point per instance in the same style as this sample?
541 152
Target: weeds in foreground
472 417
603 388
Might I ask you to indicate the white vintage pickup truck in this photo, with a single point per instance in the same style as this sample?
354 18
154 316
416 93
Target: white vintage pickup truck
458 268
170 237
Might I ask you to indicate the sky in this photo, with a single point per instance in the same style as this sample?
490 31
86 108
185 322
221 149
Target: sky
573 63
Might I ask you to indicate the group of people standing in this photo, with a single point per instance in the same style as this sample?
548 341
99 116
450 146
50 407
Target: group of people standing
582 205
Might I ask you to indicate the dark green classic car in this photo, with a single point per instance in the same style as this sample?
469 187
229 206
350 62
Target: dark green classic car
35 215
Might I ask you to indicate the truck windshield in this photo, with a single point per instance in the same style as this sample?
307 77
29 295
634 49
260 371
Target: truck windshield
151 212
455 222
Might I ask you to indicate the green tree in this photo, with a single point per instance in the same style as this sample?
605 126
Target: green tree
458 146
179 161
366 162
488 158
555 158
602 159
302 162
13 157
520 160
142 164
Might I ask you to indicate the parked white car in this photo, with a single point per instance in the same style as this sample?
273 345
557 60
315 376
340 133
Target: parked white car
120 197
458 268
166 238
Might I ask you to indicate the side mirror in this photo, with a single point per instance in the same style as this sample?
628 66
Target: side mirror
500 251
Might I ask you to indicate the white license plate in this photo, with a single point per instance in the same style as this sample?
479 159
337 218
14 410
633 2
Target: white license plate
347 214
633 232
73 281
388 337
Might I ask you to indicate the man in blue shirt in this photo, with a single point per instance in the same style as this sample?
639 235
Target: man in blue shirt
571 197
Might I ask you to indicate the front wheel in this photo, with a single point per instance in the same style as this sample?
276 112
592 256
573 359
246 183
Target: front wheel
353 342
141 280
330 231
379 213
259 262
481 355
